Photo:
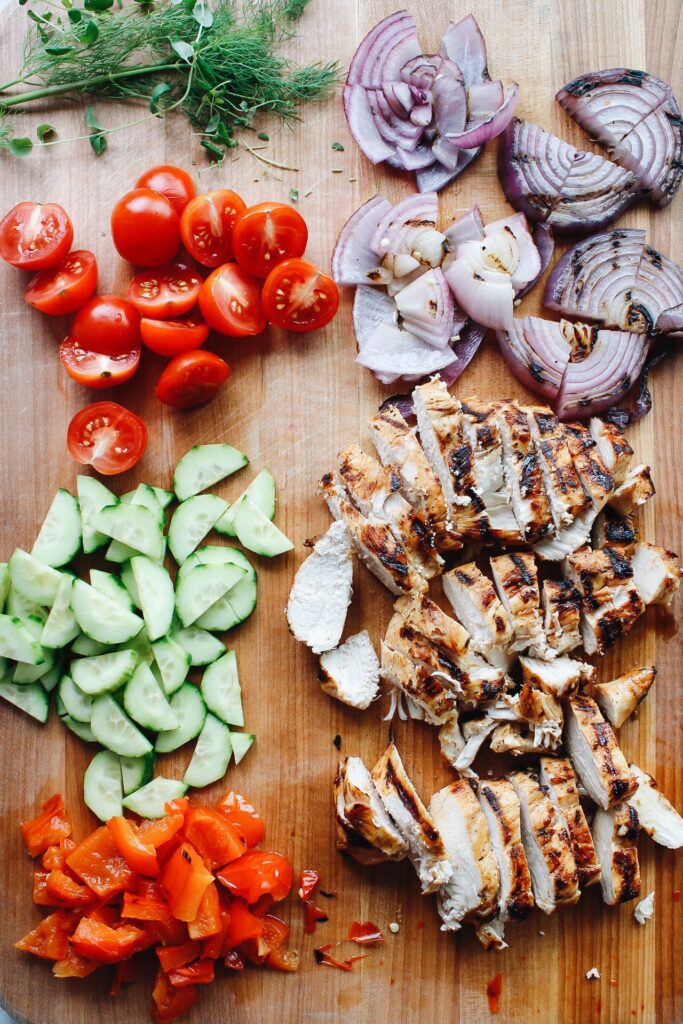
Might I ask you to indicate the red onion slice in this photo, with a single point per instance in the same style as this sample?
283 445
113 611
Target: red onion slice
537 352
399 97
670 321
658 285
465 349
604 376
491 126
368 66
410 227
353 260
362 125
464 44
415 159
426 308
542 235
653 151
450 105
394 130
391 352
483 98
468 227
486 295
437 177
529 266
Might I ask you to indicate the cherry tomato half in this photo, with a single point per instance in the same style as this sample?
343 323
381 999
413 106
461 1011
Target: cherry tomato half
298 297
95 369
192 378
64 288
107 324
173 337
267 234
173 182
107 437
162 292
258 873
145 228
206 226
244 815
35 236
230 301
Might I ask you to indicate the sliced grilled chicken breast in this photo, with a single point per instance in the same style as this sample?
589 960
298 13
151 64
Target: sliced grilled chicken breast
559 678
658 818
569 538
481 429
365 830
501 808
595 478
516 579
350 672
475 733
348 839
566 495
401 801
615 833
619 532
547 845
321 592
474 601
561 615
516 739
591 571
615 451
399 449
595 754
557 776
523 472
619 698
434 692
608 615
656 573
472 891
636 489
543 712
451 740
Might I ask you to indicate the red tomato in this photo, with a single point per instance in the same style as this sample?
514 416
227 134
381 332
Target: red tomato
145 228
173 337
230 301
35 236
95 369
173 182
107 324
267 234
64 288
190 379
107 437
165 291
206 226
241 813
298 297
256 874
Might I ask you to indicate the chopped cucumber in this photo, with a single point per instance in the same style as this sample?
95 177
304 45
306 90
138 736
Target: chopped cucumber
202 587
163 497
239 602
111 586
60 626
32 698
211 756
102 789
103 673
241 743
215 554
137 771
205 465
24 673
173 662
92 496
101 618
76 703
80 729
256 532
5 581
190 710
33 579
59 539
141 645
155 591
16 641
20 607
85 646
145 496
202 646
150 801
128 581
221 690
113 728
191 522
135 526
261 490
51 678
145 702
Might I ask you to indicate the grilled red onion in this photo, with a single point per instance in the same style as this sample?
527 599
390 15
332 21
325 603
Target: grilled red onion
353 259
670 321
410 227
426 308
653 151
464 44
601 372
464 348
404 404
362 124
469 227
384 50
643 402
492 124
529 266
542 236
537 352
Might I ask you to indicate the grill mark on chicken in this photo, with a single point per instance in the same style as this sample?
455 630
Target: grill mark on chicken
412 636
519 906
492 799
621 566
524 575
410 804
390 555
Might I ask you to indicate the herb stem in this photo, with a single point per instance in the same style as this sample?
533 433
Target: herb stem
265 160
83 84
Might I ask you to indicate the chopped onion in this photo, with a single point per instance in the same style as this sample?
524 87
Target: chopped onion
491 125
426 308
369 66
529 260
410 227
353 259
464 44
468 227
605 373
362 124
542 236
484 294
464 349
670 321
537 352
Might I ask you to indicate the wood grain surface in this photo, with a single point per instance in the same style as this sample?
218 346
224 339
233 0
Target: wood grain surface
291 404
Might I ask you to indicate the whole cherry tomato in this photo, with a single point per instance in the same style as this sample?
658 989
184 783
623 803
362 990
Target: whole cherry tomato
173 182
63 289
145 228
107 324
191 379
35 236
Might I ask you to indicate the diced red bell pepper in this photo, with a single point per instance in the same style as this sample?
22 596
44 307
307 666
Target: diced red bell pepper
185 880
244 816
98 863
139 856
214 945
171 933
214 837
208 920
50 939
98 941
40 893
55 856
180 805
233 961
243 925
275 931
283 960
74 965
126 974
201 972
172 957
171 1003
151 887
258 873
65 891
48 828
145 908
158 831
309 880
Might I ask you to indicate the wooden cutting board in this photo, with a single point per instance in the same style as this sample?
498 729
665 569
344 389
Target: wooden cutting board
292 403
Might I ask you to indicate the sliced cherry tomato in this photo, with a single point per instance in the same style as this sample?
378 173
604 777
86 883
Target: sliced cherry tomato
244 815
145 228
173 182
64 288
298 297
173 337
97 941
191 379
230 301
258 873
50 827
164 292
266 234
107 437
207 223
107 324
95 370
35 236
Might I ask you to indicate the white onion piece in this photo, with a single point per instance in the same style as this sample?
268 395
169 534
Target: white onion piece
464 44
537 352
353 261
392 353
499 250
401 264
529 265
410 227
489 127
600 379
398 283
486 296
372 307
426 308
362 125
369 64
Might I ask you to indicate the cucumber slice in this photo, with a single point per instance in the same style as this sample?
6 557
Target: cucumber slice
155 591
80 729
163 497
241 742
60 626
17 642
215 554
59 539
239 602
202 646
145 496
128 581
85 646
212 754
203 466
32 699
76 703
261 490
102 789
142 647
221 690
145 702
256 532
173 662
21 608
33 579
24 673
5 581
136 771
103 673
113 728
201 588
51 678
150 801
111 586
135 526
101 618
92 496
191 521
190 710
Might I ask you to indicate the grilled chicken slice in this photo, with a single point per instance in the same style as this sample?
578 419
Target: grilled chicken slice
501 808
451 740
566 495
568 539
475 733
561 615
656 573
516 579
557 777
402 803
481 429
476 605
608 615
595 754
619 532
364 829
595 478
615 451
516 739
348 839
547 845
619 698
658 818
559 678
615 833
350 672
591 571
399 449
434 692
543 712
523 472
321 592
636 489
472 891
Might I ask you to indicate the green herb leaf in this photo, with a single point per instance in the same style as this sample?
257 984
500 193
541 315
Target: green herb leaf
98 139
263 136
202 14
19 147
89 32
212 124
97 5
294 195
57 50
337 146
75 15
159 90
214 151
184 50
45 132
